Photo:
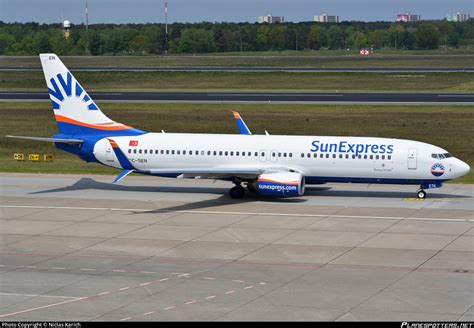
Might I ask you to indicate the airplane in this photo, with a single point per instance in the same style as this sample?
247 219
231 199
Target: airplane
268 165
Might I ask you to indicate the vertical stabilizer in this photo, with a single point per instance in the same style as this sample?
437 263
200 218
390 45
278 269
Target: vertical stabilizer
74 110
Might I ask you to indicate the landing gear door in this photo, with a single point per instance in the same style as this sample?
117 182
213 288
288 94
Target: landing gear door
109 153
412 158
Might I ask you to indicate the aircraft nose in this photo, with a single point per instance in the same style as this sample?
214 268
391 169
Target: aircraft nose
463 168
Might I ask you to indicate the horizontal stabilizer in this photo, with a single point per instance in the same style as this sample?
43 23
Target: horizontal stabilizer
61 140
122 175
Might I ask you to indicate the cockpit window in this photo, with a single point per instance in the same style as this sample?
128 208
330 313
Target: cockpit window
441 156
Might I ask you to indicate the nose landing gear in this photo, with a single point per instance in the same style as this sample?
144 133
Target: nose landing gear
421 194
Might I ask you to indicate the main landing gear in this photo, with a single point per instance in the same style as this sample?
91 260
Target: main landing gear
421 194
238 191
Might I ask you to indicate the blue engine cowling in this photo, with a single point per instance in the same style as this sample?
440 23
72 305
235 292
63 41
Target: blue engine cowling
282 184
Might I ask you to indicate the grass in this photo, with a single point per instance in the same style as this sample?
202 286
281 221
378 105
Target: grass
449 127
318 59
250 81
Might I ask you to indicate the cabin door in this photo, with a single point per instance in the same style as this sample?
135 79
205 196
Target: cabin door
412 155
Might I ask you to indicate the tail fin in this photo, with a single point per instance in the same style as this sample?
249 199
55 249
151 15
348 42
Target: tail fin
75 112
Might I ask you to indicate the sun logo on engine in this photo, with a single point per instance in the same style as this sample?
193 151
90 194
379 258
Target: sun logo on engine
58 96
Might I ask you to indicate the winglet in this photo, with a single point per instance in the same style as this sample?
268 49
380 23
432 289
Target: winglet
122 175
243 129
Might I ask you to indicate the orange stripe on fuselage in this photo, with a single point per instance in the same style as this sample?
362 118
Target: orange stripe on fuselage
64 119
273 181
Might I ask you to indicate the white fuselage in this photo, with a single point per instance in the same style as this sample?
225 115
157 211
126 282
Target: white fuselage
318 158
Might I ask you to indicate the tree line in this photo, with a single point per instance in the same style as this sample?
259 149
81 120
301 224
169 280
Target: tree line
138 39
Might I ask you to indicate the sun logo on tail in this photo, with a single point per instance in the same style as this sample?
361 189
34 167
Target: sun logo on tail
57 96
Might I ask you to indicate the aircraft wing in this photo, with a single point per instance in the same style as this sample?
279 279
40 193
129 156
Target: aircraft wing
220 172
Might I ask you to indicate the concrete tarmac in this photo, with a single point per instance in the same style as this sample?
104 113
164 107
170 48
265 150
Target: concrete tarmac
79 248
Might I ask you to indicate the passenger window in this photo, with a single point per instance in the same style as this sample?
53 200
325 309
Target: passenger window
231 153
178 152
236 153
203 152
249 154
134 151
371 156
256 154
383 156
162 152
308 155
184 152
215 153
243 153
129 151
327 155
347 156
284 154
208 153
172 152
333 155
156 151
220 153
139 151
145 151
340 155
291 154
302 155
273 154
167 152
279 154
360 156
226 153
365 156
376 156
197 152
389 157
353 156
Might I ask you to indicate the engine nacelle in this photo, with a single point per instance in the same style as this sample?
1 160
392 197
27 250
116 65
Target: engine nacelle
282 184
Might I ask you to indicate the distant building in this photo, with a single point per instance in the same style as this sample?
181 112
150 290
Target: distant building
408 17
271 19
325 18
66 28
459 17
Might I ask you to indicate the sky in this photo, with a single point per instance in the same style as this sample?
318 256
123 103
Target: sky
144 11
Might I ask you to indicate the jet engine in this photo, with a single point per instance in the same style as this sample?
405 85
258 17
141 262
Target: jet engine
281 184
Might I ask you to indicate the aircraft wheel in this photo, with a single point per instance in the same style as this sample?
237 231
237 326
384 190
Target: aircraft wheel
421 194
237 192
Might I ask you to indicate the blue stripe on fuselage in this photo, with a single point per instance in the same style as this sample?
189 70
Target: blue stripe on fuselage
319 180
